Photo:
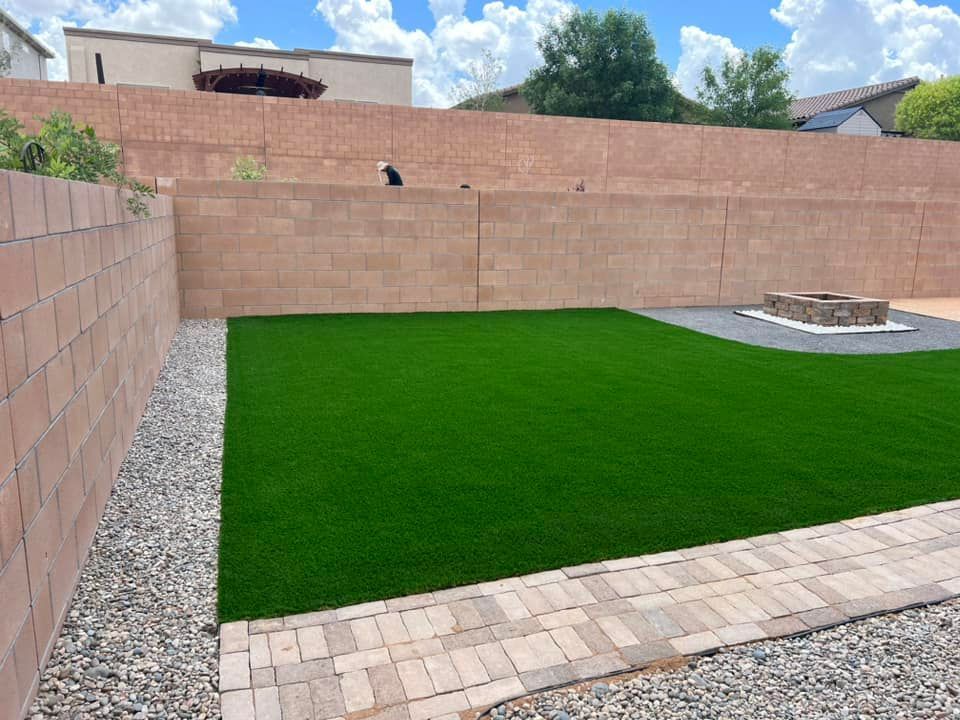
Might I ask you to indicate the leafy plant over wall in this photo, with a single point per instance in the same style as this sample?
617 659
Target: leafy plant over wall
931 110
247 168
72 153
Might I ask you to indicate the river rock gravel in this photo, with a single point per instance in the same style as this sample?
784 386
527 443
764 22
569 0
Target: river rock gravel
140 638
905 665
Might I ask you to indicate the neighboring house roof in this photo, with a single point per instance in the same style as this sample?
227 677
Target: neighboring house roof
805 108
239 49
20 31
834 118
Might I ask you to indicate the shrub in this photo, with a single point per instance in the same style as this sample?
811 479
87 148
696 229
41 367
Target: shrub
71 153
932 110
247 168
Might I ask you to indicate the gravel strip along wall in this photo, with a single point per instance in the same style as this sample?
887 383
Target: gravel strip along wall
895 666
140 637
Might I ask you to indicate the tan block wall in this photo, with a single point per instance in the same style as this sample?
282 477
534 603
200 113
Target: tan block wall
938 257
280 248
554 250
269 248
862 247
170 133
88 307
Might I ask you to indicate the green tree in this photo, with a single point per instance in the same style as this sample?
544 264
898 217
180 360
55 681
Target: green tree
750 91
932 110
601 67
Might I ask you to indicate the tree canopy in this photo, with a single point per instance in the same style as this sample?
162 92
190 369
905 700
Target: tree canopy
932 110
601 67
748 91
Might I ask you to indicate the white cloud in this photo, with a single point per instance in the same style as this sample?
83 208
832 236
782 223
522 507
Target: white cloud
258 42
699 49
844 43
192 18
442 55
442 8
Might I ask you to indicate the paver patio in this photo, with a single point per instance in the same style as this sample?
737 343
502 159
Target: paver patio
438 654
946 308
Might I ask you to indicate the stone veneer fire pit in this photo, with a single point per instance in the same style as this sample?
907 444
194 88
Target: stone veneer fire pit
826 308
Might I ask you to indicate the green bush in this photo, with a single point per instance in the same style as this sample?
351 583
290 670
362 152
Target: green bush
932 110
247 168
72 153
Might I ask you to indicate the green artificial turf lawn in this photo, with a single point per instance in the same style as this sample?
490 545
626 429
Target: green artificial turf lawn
372 456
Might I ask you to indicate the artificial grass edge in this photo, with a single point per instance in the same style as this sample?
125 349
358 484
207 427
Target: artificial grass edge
244 548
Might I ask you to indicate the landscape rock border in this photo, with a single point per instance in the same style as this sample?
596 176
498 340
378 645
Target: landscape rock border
140 637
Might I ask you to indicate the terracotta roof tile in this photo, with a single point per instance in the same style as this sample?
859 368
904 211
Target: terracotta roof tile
804 108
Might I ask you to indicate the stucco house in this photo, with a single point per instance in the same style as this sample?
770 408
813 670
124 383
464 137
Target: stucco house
180 63
879 101
28 56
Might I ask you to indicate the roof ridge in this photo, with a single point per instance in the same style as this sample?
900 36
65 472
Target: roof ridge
807 107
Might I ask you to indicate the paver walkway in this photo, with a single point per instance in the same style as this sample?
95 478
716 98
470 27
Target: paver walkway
438 654
946 308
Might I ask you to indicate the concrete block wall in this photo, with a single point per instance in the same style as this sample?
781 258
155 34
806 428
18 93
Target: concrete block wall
178 133
268 248
88 307
938 257
862 247
571 249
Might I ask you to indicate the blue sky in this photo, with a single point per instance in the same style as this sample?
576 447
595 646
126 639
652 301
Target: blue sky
746 22
828 44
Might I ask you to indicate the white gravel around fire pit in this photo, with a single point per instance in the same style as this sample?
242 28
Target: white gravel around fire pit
140 639
905 665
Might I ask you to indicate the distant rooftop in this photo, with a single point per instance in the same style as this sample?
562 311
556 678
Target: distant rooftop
833 118
24 34
805 108
209 44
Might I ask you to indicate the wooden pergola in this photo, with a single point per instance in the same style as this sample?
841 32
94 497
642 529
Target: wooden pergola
258 81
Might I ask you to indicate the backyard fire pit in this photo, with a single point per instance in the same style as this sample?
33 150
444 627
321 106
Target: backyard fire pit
826 308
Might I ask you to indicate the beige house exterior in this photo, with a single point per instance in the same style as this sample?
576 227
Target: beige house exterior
171 62
28 56
879 100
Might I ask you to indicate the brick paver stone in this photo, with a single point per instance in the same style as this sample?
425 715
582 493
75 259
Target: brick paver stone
387 688
434 655
312 643
260 651
495 660
366 633
235 671
237 705
267 703
325 695
284 649
296 702
233 637
469 666
356 690
417 624
416 682
570 643
442 673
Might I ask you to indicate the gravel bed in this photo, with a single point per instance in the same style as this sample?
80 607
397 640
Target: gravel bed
931 334
140 639
905 665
